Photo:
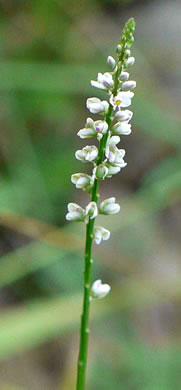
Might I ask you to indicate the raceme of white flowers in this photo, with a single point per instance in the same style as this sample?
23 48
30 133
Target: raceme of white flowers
113 160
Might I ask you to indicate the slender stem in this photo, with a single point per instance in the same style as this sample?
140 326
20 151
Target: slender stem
84 330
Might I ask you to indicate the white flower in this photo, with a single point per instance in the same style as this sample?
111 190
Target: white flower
124 76
96 105
130 61
109 207
111 61
131 84
100 234
87 154
123 99
75 212
115 156
88 131
91 210
104 81
112 170
121 128
124 115
82 180
100 290
93 129
100 172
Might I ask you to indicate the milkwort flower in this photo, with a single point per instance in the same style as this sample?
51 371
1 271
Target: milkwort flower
93 129
104 81
100 290
100 234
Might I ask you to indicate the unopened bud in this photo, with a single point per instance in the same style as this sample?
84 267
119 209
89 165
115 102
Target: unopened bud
124 76
127 85
130 61
111 61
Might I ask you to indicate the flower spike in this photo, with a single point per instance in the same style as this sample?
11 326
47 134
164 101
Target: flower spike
104 160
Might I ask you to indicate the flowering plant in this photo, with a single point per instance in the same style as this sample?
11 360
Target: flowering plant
107 159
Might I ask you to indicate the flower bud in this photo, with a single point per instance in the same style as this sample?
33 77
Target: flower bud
75 213
100 172
109 207
118 49
100 234
130 61
91 210
127 85
82 181
111 61
124 116
127 53
96 106
124 76
121 128
131 40
87 154
100 290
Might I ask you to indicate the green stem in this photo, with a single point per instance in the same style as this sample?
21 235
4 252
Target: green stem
84 330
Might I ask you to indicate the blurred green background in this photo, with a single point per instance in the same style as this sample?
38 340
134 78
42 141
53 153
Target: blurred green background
50 50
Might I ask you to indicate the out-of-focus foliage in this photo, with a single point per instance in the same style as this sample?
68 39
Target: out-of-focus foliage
49 52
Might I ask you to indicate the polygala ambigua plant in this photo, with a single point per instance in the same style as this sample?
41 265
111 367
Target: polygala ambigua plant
107 160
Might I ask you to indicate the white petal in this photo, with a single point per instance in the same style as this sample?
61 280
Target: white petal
113 170
73 207
114 140
96 84
80 155
100 290
90 123
98 237
86 133
112 208
105 234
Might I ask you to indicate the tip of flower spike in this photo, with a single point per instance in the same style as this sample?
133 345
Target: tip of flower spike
127 38
131 22
130 25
